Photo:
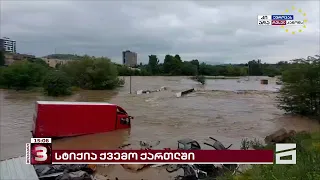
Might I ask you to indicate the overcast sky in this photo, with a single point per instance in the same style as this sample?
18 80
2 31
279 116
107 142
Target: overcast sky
211 31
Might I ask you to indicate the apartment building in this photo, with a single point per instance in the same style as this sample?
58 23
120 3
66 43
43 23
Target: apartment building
129 58
8 45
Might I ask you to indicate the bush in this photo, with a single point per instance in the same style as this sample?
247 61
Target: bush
39 61
57 83
2 58
22 75
307 167
2 80
300 93
92 73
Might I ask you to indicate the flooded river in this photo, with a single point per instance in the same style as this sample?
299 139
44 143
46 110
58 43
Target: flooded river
221 113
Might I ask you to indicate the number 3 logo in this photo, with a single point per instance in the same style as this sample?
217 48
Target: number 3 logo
41 153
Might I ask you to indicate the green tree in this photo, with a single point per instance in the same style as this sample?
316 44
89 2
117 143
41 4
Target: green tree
172 65
196 63
204 69
92 73
6 78
188 69
124 70
300 93
22 75
2 58
167 64
57 83
255 68
177 57
177 64
153 64
39 61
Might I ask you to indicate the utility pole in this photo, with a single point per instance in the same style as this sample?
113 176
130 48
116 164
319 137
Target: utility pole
130 83
248 72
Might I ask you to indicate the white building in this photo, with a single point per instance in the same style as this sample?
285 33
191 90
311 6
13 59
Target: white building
8 45
129 58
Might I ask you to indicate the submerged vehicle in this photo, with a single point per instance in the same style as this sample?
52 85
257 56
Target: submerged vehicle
57 119
190 144
201 171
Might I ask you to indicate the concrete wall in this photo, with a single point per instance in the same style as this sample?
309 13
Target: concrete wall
11 57
54 62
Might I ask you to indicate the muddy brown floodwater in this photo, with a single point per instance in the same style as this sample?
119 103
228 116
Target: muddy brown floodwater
223 114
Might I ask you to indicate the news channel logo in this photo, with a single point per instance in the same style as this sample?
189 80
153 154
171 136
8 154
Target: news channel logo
285 150
38 153
289 23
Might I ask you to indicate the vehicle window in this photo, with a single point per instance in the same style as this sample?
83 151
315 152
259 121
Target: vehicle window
120 111
188 146
124 121
180 146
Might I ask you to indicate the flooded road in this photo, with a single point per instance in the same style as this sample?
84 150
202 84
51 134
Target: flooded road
222 113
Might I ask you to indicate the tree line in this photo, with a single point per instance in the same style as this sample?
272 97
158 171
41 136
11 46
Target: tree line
300 93
175 66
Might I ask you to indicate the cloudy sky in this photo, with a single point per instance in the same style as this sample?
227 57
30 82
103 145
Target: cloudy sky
211 31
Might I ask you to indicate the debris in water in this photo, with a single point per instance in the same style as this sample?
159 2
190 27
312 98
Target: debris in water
264 81
179 94
163 88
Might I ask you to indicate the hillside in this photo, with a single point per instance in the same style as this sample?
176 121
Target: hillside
63 56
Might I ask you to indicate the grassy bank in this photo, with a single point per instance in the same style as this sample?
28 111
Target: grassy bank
307 167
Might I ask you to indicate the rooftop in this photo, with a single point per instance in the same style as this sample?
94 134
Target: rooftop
74 103
6 38
16 168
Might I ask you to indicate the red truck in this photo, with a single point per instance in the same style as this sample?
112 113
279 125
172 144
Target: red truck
57 119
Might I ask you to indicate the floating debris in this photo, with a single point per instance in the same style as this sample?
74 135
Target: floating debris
264 81
150 91
179 94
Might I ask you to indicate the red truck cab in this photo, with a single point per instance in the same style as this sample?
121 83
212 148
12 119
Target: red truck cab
123 119
57 119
